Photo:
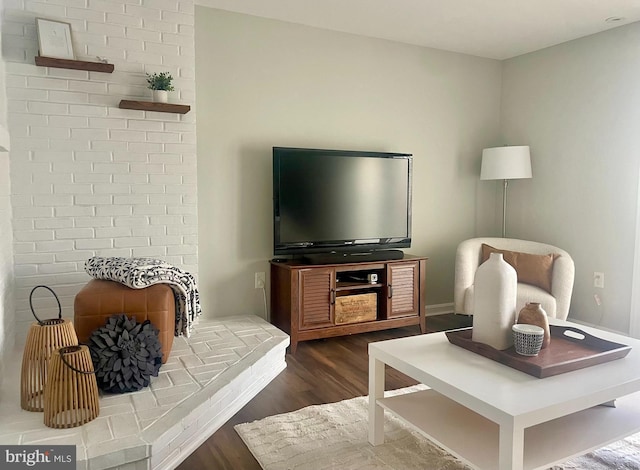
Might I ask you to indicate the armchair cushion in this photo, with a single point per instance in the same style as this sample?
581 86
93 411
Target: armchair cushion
536 270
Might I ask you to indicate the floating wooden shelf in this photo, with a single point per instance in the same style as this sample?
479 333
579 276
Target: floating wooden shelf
158 107
73 64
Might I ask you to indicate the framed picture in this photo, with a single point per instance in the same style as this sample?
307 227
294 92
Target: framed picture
54 39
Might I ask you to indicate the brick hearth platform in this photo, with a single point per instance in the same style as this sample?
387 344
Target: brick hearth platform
206 380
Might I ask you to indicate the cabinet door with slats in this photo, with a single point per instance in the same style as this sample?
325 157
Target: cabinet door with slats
402 295
317 298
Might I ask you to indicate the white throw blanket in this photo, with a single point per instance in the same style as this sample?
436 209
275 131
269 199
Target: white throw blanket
138 273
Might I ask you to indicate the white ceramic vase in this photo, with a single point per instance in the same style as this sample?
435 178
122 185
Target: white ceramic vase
494 302
160 96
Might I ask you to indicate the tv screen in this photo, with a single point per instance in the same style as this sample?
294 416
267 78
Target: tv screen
340 201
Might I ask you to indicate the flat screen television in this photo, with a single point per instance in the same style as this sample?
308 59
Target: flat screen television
341 205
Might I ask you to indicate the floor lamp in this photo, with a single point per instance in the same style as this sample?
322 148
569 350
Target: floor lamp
505 163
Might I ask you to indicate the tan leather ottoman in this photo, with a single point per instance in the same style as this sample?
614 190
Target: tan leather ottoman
99 299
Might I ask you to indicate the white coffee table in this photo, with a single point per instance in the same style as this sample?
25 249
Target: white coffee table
494 417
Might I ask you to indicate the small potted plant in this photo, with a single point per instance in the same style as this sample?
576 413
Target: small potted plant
161 85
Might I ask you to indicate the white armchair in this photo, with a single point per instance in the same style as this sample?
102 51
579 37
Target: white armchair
555 303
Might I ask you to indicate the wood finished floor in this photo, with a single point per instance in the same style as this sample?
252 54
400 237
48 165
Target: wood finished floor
322 371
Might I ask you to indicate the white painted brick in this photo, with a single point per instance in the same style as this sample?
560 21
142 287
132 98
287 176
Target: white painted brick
144 125
145 147
67 74
106 29
72 188
149 209
112 210
166 219
74 211
43 9
131 199
73 144
32 235
90 134
71 166
177 18
130 178
74 233
68 97
86 110
54 246
53 223
70 121
32 189
33 258
143 12
106 6
16 106
74 255
88 87
23 270
123 252
165 199
113 233
108 123
166 240
92 199
91 178
89 14
111 54
23 247
111 168
131 242
144 57
125 20
51 132
127 135
37 107
52 200
143 34
93 222
163 137
182 210
155 251
93 243
177 39
56 268
126 113
149 231
47 83
147 168
162 49
23 119
27 94
129 157
108 145
165 179
112 188
131 221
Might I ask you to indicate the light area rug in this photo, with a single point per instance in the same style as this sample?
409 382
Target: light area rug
334 436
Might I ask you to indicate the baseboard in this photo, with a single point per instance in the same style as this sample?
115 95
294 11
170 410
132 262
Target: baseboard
439 309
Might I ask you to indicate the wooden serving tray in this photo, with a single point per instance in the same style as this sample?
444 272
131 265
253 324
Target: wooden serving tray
564 353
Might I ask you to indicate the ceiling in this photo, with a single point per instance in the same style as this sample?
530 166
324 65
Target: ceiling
497 29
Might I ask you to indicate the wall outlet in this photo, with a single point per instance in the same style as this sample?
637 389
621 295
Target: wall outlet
259 280
598 280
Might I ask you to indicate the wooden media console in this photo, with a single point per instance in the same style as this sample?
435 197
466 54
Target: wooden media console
304 297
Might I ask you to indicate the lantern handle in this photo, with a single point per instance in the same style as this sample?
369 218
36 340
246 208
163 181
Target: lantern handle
31 304
69 349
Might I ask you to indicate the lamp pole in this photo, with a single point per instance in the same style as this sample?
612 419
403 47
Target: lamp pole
504 209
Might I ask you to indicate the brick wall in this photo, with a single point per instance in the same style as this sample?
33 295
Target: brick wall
89 178
7 320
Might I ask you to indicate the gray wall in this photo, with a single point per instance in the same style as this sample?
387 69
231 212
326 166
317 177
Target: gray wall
263 83
578 106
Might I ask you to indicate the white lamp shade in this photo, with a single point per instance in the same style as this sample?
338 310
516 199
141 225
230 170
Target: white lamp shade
506 163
